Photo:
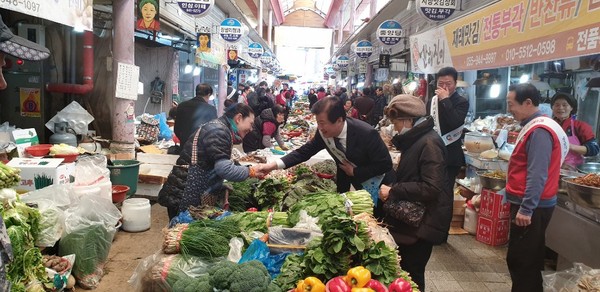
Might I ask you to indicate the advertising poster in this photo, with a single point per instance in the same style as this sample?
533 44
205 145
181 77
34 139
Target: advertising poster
148 15
203 42
30 102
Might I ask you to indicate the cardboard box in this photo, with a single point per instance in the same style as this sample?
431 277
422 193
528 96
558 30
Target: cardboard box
24 138
48 171
492 231
492 207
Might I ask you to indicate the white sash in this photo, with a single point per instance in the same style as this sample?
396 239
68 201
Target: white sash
330 143
449 137
231 94
555 127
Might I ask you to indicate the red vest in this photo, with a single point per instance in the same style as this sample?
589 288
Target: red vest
517 167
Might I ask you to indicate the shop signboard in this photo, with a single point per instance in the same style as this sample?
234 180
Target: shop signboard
364 49
196 8
436 10
231 30
362 67
74 13
266 58
389 32
255 50
342 61
512 32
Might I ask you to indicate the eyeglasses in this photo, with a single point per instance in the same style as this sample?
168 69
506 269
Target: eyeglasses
445 84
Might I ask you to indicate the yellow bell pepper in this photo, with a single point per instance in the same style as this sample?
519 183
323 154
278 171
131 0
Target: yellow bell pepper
310 284
358 277
362 290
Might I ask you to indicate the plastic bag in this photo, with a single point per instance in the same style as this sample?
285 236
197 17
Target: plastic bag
51 223
92 210
165 132
578 278
308 222
159 272
181 218
236 245
60 279
291 236
259 250
91 170
74 114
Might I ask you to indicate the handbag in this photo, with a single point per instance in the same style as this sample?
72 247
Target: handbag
147 131
411 213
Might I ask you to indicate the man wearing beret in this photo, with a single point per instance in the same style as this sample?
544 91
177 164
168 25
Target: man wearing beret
449 111
421 177
24 49
357 148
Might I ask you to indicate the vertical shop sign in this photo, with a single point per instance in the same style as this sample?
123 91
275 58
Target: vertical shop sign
384 61
362 67
231 30
30 102
429 51
196 8
342 61
74 13
389 32
364 49
128 77
233 51
255 50
148 16
436 10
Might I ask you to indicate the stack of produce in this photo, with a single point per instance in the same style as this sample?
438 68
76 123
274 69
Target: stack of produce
345 243
204 238
9 176
328 205
23 227
257 221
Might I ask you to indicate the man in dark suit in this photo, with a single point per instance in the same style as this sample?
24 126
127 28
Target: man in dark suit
357 148
449 110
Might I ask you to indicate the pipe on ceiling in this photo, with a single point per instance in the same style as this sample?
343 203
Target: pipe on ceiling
88 71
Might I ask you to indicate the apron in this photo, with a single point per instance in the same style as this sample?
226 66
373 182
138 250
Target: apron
203 187
573 159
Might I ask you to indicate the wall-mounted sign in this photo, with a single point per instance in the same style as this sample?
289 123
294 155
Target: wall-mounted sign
384 61
197 8
203 42
255 50
436 10
77 14
335 67
329 70
342 61
389 32
266 58
148 17
231 30
364 49
362 67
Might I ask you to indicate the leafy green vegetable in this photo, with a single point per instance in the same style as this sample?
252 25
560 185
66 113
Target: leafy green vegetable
208 238
269 193
306 183
242 196
326 167
328 205
257 221
382 261
292 271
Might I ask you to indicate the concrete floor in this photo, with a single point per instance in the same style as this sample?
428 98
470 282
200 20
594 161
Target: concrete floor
462 264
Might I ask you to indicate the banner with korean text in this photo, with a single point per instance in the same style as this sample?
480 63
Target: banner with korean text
513 32
75 13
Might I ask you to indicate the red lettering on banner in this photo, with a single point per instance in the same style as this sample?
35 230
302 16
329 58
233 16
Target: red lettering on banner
566 9
517 16
549 12
535 13
593 5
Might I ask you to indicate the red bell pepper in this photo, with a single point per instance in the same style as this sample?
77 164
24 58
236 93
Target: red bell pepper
376 286
338 284
400 285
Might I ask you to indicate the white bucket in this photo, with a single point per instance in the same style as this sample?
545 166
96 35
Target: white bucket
136 214
470 223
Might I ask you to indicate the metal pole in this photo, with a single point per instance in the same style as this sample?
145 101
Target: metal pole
270 29
260 18
123 127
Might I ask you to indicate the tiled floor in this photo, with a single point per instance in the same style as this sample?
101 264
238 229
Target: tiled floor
464 264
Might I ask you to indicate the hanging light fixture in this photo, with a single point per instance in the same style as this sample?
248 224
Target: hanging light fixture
196 71
188 68
495 90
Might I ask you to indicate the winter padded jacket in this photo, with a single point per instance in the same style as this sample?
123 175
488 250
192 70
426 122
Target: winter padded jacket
421 177
253 140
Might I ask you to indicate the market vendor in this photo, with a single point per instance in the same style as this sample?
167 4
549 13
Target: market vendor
266 126
206 161
19 47
421 177
582 141
357 148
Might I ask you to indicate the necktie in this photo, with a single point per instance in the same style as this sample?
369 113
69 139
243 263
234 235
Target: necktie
339 145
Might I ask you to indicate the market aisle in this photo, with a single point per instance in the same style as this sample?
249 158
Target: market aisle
463 264
129 249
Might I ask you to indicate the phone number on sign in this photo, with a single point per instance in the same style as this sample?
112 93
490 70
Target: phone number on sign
531 50
481 59
25 4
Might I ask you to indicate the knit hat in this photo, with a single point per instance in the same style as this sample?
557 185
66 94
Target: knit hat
20 47
405 106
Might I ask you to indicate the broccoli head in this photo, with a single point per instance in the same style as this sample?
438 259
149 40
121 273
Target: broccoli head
220 274
274 288
250 276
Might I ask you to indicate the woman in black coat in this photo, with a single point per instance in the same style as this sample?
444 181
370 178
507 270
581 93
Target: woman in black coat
420 177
